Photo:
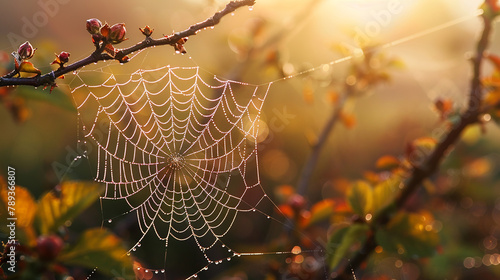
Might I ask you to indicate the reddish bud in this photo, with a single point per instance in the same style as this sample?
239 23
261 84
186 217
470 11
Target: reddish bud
116 33
62 58
297 202
26 50
48 247
147 31
93 25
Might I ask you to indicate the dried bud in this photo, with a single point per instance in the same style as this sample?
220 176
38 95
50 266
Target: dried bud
93 25
147 31
62 58
26 51
179 45
116 33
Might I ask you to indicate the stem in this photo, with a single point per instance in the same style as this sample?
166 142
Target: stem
309 167
470 116
98 55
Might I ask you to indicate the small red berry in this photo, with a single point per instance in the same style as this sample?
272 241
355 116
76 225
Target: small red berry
48 247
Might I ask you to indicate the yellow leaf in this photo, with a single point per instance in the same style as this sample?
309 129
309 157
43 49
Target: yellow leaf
23 210
384 192
322 210
419 149
55 210
28 67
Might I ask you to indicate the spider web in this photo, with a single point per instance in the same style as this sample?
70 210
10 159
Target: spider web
177 149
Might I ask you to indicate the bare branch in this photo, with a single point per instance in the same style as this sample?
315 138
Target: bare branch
419 174
99 55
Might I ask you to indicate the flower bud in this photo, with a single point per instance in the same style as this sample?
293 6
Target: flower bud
117 33
93 25
26 51
62 58
147 31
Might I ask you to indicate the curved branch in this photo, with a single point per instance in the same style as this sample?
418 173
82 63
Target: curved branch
99 55
419 174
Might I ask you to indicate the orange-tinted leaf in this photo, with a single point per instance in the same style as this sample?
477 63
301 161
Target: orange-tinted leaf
371 177
304 219
308 94
24 211
272 57
332 97
349 120
492 98
322 210
341 185
444 107
495 60
105 30
286 210
478 168
387 162
284 192
142 273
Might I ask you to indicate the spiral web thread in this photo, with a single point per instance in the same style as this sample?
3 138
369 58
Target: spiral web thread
179 150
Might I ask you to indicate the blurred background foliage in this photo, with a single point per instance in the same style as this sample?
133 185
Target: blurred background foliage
394 103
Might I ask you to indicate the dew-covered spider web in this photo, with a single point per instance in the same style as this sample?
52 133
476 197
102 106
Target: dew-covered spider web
177 151
177 148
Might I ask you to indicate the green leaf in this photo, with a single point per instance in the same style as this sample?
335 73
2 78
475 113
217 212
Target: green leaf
360 197
102 249
341 242
384 193
407 234
57 98
54 210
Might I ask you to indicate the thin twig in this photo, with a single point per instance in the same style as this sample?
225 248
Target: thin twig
99 55
310 165
419 174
